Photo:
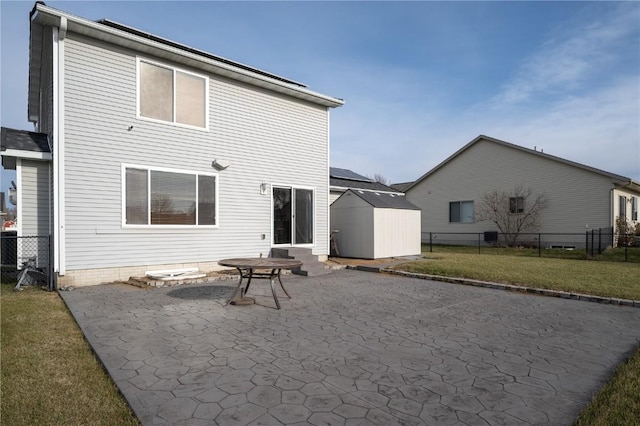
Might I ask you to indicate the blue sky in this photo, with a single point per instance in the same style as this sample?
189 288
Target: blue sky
420 79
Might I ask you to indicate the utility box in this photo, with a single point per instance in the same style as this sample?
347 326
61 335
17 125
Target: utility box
491 236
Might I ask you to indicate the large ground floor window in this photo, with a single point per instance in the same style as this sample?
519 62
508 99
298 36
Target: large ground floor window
293 215
168 197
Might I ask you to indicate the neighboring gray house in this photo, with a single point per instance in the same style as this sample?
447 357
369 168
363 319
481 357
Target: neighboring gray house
163 156
581 198
373 225
340 180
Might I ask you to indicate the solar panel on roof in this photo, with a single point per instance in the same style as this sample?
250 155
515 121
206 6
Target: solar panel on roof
347 174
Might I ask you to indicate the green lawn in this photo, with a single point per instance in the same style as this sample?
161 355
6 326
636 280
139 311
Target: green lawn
607 279
618 402
49 374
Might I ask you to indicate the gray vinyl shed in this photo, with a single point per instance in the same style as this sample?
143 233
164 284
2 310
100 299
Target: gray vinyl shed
374 225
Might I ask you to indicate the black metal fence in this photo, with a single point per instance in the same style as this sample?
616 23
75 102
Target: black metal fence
598 240
27 260
600 243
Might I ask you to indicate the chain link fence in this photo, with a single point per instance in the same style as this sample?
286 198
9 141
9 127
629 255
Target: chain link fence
27 260
599 244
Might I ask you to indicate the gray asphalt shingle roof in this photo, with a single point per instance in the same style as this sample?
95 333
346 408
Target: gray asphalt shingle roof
358 184
22 140
345 178
384 200
336 172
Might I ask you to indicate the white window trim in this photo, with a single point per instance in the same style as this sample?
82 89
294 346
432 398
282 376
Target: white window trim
123 172
174 69
315 215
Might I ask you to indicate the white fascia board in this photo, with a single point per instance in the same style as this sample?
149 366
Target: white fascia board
50 16
344 189
32 155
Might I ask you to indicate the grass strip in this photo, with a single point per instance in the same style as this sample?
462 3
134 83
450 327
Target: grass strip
49 374
606 279
618 402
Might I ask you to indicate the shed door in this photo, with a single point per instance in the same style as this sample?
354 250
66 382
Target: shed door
292 216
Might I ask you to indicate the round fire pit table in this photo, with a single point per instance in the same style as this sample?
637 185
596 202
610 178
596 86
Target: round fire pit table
247 269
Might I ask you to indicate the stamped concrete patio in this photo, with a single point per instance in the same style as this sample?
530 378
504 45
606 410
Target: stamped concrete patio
353 348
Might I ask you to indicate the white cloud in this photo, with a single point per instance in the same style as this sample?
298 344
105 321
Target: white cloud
572 57
572 97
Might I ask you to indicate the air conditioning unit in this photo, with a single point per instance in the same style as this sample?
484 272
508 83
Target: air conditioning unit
490 236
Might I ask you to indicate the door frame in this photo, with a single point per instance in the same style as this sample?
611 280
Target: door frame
293 188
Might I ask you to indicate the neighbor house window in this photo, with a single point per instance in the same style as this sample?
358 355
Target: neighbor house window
461 212
172 95
622 206
634 208
165 197
516 205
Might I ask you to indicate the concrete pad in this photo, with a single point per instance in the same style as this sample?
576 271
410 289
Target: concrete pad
353 348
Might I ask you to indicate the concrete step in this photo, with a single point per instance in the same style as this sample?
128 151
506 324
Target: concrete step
290 252
311 272
311 266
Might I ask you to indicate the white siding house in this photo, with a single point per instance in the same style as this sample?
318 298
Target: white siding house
165 156
580 198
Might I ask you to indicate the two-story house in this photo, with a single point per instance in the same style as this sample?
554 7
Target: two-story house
161 156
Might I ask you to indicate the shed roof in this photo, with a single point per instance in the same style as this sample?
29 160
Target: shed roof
383 200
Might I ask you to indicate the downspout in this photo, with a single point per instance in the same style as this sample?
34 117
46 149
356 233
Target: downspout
59 35
328 238
19 197
612 219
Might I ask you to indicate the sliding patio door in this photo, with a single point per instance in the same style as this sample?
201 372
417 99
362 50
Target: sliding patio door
293 216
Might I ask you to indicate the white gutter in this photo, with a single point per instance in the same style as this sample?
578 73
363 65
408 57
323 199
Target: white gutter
328 241
27 154
49 16
344 189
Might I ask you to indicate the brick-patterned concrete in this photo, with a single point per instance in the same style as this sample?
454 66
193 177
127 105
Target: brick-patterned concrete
353 348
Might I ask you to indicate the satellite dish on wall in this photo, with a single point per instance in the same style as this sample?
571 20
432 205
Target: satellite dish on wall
221 164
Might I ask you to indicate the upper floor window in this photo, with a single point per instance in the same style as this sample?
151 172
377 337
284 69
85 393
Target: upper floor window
516 205
164 197
172 95
461 212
